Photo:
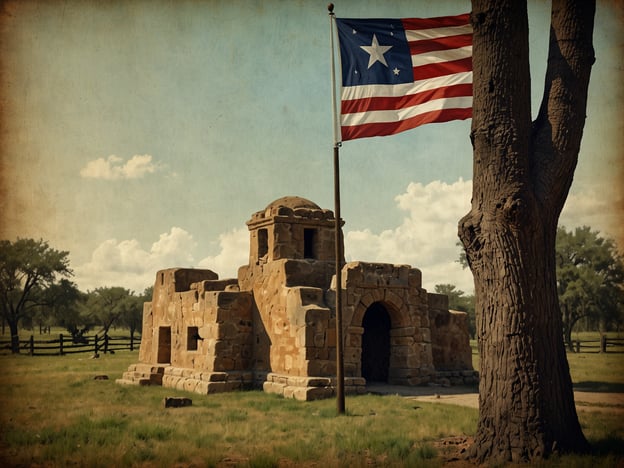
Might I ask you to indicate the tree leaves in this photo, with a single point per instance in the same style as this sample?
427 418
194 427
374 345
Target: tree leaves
27 269
590 278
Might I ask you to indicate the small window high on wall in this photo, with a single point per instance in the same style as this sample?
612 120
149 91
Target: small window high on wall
192 335
309 241
263 242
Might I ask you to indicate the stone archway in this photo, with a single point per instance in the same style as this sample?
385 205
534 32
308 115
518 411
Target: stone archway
376 343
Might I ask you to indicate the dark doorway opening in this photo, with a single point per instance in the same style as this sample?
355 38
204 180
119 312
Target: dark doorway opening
376 343
164 345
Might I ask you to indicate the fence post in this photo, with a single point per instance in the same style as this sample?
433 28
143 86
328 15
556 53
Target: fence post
32 345
95 341
578 346
131 341
105 343
603 343
61 352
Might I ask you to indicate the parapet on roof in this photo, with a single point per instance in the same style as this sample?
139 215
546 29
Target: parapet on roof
292 207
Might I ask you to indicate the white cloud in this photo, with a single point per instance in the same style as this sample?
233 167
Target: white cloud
234 252
597 210
174 247
427 237
125 263
114 168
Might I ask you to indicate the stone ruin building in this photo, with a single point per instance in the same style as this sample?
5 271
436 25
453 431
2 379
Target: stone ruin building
274 326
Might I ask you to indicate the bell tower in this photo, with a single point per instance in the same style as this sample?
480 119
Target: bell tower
291 228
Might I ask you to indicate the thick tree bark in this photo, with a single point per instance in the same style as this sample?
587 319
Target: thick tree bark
522 174
13 329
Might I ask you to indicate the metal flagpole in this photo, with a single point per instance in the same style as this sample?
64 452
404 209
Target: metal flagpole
340 397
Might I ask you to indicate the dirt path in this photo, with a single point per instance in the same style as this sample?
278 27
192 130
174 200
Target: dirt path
469 396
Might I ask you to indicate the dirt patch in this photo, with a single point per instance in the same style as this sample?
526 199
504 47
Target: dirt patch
469 396
453 451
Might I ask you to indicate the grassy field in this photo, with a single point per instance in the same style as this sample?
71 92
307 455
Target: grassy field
53 413
590 370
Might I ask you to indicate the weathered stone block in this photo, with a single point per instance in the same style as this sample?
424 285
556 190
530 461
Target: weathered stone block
319 340
393 299
177 402
331 337
352 339
273 387
402 341
415 278
403 331
313 393
224 364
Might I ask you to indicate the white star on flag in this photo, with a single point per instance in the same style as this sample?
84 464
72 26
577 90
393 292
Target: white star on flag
376 52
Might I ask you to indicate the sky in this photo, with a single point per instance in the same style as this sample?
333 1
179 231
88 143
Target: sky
141 135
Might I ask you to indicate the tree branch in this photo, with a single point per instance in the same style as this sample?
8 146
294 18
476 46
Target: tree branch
558 128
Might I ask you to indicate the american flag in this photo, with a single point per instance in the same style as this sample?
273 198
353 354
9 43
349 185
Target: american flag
398 74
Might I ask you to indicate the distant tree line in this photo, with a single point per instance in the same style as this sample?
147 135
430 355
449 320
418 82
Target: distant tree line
35 291
590 284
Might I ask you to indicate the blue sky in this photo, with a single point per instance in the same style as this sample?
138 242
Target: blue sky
141 135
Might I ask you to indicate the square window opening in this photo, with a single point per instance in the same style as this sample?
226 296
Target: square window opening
309 243
263 242
192 335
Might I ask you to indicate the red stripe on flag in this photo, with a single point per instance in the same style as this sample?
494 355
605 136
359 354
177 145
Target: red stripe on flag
399 102
440 43
442 68
442 21
391 128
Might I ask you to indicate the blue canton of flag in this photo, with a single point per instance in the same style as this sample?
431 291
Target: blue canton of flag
374 52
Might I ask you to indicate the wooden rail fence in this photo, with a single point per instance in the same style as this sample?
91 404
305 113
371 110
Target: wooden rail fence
64 345
601 345
105 344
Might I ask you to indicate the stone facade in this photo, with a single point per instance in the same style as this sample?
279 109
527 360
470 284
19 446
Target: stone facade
274 326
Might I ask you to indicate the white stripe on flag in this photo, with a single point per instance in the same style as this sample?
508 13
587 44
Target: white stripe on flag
420 34
369 91
439 56
360 118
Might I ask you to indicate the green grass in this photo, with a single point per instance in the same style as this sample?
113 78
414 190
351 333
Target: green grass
591 371
597 372
53 413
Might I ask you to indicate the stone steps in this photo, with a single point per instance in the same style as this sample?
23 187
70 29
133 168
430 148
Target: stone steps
142 374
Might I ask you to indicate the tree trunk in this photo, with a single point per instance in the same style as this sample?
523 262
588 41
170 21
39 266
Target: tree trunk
14 336
522 174
567 327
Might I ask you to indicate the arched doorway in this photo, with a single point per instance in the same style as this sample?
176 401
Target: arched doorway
376 343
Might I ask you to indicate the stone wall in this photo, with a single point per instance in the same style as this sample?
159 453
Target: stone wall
398 289
201 337
287 313
450 339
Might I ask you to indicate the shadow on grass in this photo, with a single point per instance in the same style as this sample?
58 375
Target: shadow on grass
610 445
599 387
379 388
